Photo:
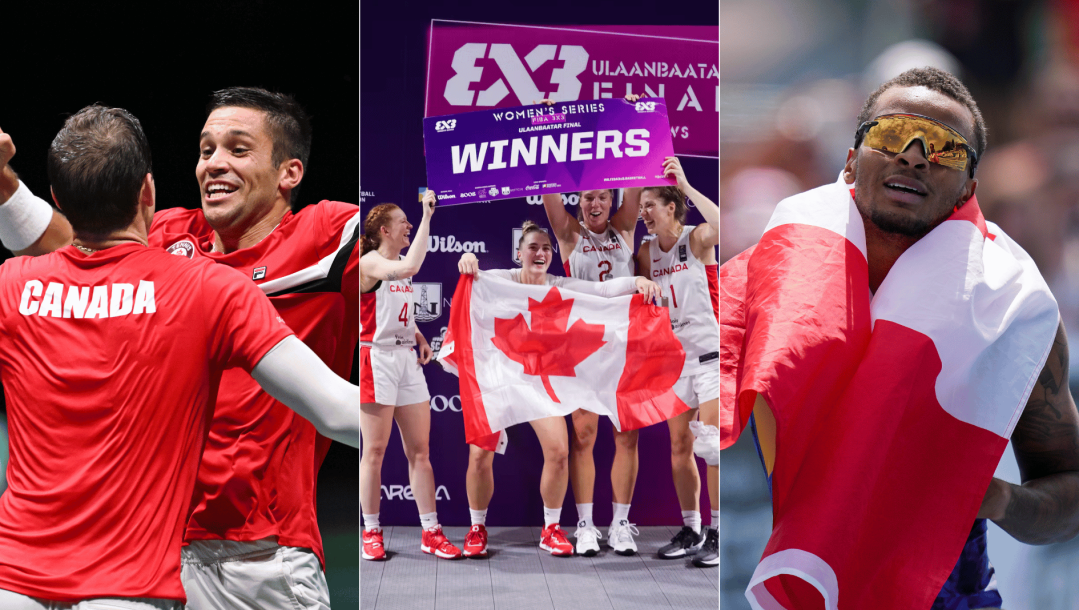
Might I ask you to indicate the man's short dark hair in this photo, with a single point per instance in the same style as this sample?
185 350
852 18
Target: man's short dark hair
936 80
96 165
290 127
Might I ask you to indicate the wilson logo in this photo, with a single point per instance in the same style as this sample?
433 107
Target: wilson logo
445 125
450 244
466 73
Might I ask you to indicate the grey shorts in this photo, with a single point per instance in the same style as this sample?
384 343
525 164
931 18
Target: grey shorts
260 575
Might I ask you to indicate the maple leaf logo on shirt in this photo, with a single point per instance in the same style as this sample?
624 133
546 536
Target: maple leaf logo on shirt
548 348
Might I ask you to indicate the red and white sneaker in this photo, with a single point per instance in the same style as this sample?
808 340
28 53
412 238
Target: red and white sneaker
435 543
476 542
554 540
372 545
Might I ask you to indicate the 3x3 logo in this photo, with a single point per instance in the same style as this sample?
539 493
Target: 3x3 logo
466 72
645 107
447 125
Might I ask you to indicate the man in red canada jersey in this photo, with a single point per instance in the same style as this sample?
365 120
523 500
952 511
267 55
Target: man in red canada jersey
255 495
111 353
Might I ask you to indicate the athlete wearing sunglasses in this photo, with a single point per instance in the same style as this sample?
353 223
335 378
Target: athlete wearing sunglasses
915 152
905 182
940 143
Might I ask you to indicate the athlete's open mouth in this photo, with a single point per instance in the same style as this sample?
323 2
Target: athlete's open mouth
219 190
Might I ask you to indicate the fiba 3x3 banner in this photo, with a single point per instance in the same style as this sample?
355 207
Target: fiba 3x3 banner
475 66
521 151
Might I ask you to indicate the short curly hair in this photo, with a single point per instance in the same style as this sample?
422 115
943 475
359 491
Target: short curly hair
936 80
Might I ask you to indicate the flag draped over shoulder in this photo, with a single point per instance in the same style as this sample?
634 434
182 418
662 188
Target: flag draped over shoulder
891 410
523 352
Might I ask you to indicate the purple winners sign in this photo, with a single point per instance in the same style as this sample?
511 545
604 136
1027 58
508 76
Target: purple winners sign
532 150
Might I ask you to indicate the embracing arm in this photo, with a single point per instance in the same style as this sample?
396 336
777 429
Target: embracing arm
616 287
28 225
294 375
1045 508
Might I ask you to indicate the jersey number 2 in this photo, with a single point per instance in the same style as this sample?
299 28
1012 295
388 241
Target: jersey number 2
404 314
606 266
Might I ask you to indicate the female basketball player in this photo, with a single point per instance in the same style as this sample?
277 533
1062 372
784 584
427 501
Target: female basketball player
682 260
597 246
536 253
392 387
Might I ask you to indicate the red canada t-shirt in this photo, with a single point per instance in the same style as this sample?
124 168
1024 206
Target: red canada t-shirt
110 364
260 467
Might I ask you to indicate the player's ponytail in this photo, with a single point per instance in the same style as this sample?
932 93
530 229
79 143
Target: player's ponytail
378 217
671 194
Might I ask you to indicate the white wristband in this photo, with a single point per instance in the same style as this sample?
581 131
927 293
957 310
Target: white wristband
23 219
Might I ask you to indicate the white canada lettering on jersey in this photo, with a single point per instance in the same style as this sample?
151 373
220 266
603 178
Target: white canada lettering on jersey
109 301
598 257
684 282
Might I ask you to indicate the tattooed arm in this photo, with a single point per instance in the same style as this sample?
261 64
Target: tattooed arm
1045 508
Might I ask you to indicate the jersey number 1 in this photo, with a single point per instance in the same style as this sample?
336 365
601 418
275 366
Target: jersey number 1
404 314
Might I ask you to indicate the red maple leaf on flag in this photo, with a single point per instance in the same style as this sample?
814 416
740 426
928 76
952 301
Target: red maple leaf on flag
548 348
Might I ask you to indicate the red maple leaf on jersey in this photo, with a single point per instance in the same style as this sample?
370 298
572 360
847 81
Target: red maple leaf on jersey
548 348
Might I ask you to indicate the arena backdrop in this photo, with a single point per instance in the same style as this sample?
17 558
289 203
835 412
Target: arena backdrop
393 170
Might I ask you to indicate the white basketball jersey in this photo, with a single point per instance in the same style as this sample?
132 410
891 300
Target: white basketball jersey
386 315
598 257
691 291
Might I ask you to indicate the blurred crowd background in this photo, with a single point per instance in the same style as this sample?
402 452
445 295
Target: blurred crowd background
794 74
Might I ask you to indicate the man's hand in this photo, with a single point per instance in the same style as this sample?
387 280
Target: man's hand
7 148
9 182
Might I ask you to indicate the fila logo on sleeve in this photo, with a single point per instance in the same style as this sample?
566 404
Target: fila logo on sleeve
258 273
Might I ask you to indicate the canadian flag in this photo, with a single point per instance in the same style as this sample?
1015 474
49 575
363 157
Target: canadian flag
891 410
523 352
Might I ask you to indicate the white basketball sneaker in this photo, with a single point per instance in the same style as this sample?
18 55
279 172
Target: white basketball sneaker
620 537
587 540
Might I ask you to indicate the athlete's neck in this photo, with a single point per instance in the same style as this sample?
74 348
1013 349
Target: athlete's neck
85 241
230 241
529 276
389 252
667 237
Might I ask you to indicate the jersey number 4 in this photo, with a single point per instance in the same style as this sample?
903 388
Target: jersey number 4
404 314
